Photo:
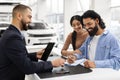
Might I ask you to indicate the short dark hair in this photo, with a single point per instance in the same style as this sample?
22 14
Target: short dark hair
76 17
94 15
19 8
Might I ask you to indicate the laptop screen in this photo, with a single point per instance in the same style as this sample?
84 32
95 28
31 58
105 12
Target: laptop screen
47 51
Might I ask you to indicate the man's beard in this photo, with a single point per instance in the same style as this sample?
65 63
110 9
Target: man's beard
93 31
24 25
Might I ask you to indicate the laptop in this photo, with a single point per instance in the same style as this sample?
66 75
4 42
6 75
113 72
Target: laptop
47 51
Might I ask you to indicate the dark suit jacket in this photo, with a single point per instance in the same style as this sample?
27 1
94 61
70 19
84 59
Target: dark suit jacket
15 61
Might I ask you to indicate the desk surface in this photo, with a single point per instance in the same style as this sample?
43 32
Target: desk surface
64 71
96 74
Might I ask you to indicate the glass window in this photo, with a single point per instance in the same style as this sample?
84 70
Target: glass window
115 17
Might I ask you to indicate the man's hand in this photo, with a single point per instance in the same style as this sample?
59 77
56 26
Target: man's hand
40 53
89 64
71 58
58 62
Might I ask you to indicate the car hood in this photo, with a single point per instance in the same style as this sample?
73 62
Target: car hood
41 31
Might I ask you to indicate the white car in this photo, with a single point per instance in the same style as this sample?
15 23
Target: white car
39 33
3 26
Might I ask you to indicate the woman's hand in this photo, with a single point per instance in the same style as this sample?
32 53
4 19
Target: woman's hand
71 59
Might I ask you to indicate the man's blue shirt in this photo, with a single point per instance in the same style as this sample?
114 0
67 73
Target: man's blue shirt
107 51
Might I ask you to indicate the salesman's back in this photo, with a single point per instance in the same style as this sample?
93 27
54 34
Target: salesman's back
7 67
15 61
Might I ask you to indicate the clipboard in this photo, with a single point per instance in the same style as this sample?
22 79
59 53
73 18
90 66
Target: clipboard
47 51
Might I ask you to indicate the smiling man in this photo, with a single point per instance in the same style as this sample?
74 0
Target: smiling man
101 49
15 61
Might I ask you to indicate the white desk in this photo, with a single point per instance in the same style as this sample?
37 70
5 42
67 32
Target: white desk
96 74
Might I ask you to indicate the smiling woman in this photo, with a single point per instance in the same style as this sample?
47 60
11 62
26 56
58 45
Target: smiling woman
76 38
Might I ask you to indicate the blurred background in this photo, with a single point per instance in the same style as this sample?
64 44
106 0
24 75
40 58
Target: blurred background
51 18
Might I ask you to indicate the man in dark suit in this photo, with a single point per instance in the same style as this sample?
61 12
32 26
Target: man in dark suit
15 61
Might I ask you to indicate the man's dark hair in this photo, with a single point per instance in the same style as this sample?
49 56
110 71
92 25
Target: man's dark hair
19 8
76 17
93 15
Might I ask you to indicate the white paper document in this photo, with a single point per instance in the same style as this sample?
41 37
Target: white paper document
80 61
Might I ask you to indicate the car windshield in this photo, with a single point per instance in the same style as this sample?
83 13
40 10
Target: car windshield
4 24
37 26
